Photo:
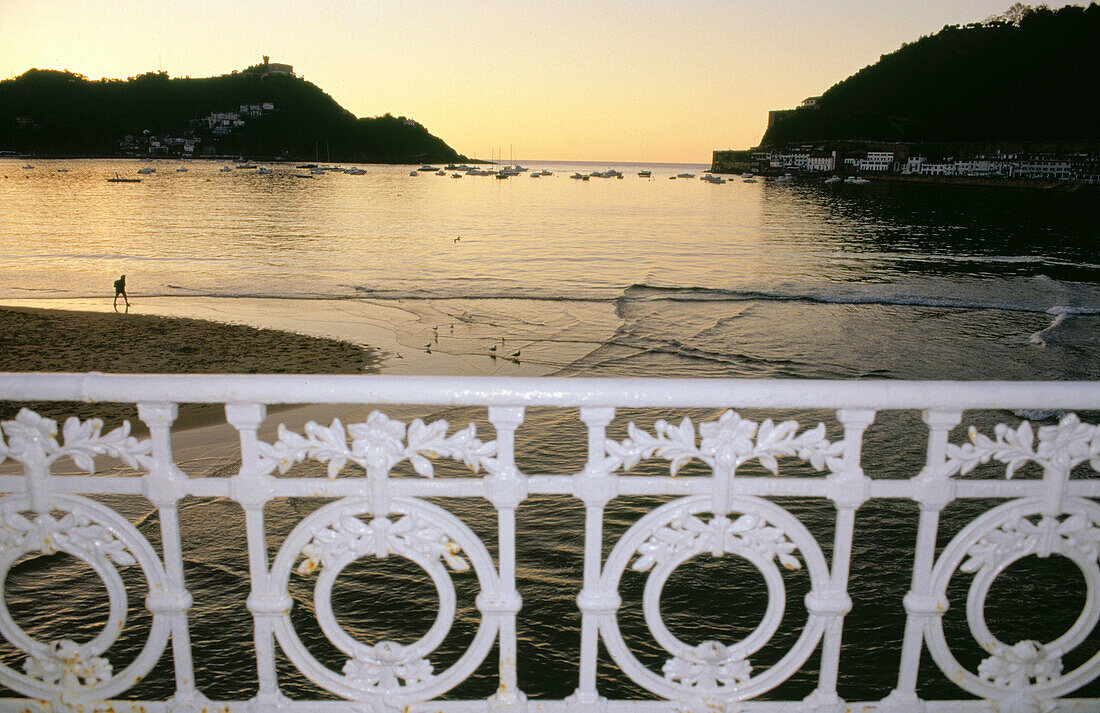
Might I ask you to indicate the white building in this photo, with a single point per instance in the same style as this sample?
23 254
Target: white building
944 168
790 159
977 167
876 161
1044 168
821 162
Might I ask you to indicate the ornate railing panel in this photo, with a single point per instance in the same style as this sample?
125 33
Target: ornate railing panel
732 509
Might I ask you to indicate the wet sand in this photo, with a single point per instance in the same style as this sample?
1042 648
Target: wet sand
65 341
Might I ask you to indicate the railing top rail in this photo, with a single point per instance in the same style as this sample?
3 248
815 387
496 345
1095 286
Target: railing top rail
551 391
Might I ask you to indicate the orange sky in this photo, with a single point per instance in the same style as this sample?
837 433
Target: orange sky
606 80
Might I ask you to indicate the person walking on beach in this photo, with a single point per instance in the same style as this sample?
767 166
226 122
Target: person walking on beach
120 289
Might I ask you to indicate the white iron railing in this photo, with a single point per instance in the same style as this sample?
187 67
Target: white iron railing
372 512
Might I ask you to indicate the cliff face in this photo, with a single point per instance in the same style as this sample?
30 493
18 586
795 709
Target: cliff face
49 112
996 81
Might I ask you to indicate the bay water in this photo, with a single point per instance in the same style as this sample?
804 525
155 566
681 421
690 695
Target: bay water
660 276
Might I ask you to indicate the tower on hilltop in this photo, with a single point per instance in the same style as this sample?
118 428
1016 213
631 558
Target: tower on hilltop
270 67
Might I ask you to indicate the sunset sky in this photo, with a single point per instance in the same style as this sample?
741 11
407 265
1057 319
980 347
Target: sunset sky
607 80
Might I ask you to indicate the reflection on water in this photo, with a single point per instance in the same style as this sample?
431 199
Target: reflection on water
607 277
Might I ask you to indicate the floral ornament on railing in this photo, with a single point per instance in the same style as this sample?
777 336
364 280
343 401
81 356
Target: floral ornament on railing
32 440
386 662
1076 533
689 534
380 442
1021 666
1064 446
708 665
350 536
73 533
732 435
65 664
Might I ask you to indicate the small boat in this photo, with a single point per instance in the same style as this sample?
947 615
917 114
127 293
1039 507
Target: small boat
685 175
645 174
856 180
578 175
355 172
261 171
62 170
456 175
413 173
833 179
146 171
713 179
303 175
543 172
224 169
182 169
118 179
503 174
28 167
749 180
441 173
426 167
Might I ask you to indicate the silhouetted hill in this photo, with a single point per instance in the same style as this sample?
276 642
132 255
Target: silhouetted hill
50 112
985 82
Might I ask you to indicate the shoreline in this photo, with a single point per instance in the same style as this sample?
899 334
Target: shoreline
399 330
253 335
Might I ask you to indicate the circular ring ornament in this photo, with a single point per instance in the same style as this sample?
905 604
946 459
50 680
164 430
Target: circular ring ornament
986 547
759 531
333 537
105 541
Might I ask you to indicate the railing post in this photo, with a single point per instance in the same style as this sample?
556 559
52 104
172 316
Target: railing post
849 488
252 490
934 490
165 486
595 486
506 488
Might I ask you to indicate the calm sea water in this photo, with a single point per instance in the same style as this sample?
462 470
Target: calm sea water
652 277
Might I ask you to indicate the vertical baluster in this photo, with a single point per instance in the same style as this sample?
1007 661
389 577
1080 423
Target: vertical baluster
36 469
595 486
849 488
252 489
934 490
506 489
164 487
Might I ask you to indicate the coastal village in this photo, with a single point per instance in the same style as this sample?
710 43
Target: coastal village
1013 161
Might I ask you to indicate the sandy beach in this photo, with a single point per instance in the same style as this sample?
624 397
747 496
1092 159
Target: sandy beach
68 341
